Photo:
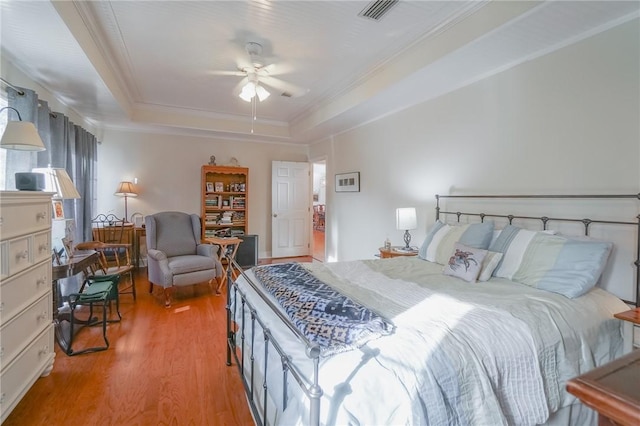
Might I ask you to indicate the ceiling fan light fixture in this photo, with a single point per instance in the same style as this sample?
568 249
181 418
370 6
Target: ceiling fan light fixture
252 89
262 93
248 91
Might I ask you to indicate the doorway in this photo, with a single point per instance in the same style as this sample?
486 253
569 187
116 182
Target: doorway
319 209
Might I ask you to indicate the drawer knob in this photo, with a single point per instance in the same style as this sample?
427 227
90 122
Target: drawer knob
41 215
44 350
23 254
43 247
41 281
43 315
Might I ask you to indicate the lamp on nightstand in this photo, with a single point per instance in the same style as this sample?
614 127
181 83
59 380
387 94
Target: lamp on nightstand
406 219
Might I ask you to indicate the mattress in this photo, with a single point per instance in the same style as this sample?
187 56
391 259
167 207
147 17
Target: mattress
496 352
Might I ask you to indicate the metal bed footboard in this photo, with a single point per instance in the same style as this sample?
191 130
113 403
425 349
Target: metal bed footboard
309 386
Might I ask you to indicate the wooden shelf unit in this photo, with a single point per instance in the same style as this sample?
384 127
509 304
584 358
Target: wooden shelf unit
225 191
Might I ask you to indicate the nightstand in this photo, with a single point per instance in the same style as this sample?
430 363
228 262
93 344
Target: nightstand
613 390
631 331
385 254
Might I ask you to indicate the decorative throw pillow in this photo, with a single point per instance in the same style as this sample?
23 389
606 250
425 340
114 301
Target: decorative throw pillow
550 262
489 265
439 242
465 262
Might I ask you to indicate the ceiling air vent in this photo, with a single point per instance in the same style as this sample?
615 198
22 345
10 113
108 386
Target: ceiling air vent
377 9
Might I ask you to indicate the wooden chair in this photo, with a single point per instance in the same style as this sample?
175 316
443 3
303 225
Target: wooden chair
112 241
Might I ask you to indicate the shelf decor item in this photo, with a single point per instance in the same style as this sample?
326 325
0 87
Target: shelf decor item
348 182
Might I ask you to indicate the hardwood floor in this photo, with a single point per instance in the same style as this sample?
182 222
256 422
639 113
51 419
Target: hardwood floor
164 367
318 245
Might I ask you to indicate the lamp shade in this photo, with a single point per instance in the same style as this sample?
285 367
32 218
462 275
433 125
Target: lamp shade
406 218
21 136
126 189
57 180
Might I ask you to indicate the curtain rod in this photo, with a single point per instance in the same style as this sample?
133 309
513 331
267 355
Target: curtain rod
20 92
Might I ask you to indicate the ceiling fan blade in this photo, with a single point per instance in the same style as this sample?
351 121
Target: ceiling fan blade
284 87
237 73
277 69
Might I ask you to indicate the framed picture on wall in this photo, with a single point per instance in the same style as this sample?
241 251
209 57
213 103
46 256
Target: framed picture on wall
348 182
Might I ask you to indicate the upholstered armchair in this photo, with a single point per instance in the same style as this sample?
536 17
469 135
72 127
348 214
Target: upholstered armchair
175 255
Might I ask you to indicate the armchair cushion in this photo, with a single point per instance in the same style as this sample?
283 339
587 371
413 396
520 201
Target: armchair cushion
191 263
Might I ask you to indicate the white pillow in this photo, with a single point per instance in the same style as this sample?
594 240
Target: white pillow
554 263
489 264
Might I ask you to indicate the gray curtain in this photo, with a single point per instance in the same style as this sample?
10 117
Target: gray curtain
69 146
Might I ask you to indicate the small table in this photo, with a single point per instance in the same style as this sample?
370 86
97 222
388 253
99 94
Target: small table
228 247
613 390
393 252
630 317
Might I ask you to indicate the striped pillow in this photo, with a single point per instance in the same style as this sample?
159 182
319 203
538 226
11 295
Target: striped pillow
550 262
441 238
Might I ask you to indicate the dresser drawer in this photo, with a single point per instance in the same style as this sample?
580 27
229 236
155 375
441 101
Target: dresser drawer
23 328
19 376
19 291
18 255
24 217
41 249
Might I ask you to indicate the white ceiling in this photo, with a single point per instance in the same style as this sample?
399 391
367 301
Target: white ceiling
156 65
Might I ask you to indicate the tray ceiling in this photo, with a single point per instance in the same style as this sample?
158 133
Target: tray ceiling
160 65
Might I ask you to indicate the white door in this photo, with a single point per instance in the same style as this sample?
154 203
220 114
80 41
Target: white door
291 211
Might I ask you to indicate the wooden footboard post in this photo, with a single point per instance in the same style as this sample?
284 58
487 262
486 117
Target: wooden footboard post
315 391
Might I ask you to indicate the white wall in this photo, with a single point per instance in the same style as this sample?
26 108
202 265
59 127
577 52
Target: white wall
567 122
168 171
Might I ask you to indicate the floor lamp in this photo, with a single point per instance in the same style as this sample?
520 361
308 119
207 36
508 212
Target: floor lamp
126 189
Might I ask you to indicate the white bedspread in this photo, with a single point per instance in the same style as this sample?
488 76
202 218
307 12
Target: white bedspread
469 354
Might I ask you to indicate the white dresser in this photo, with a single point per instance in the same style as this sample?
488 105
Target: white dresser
26 305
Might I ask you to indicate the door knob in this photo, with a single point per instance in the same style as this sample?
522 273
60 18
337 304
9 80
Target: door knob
275 215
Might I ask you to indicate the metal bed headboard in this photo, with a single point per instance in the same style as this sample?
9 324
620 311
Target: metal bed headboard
545 219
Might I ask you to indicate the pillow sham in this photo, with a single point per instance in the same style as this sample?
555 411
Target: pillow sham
554 263
465 262
489 265
439 242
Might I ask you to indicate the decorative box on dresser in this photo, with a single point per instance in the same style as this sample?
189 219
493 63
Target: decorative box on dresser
26 301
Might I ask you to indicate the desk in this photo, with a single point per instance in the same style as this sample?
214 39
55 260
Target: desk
228 248
613 390
79 263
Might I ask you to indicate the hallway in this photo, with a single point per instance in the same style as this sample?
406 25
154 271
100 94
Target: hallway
318 245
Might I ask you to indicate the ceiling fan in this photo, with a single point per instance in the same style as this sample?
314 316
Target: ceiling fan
257 75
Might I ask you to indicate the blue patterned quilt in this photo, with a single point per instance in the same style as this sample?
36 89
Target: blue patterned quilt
325 316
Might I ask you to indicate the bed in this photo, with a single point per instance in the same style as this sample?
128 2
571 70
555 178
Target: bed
435 346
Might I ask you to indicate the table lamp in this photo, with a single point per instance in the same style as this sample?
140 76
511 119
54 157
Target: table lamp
21 135
406 219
